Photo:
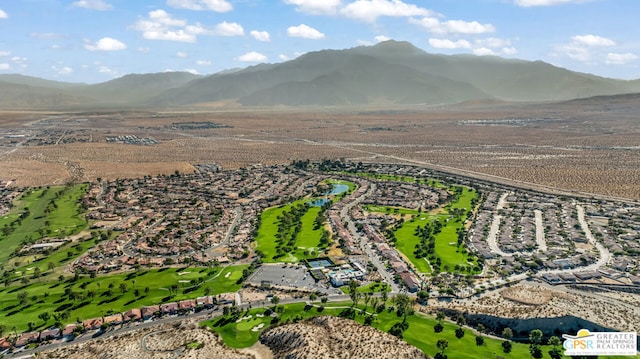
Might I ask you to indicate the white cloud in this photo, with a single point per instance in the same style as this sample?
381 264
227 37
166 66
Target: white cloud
509 50
585 48
143 50
593 40
182 54
495 45
304 31
5 66
107 70
434 25
20 61
531 3
46 35
449 44
284 57
163 26
252 57
370 10
316 7
5 53
483 51
493 42
381 38
99 5
620 59
64 70
106 44
192 71
3 15
199 5
228 29
203 63
261 35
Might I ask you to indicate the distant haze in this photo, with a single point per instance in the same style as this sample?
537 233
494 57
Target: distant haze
391 72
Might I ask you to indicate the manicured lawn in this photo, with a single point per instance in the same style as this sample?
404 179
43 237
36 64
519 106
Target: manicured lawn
420 332
53 212
239 334
389 210
53 296
308 238
374 287
446 247
407 241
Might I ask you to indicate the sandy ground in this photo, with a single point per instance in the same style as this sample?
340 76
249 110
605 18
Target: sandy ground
560 307
166 341
331 337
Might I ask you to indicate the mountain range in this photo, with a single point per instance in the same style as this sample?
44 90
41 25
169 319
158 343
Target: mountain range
390 72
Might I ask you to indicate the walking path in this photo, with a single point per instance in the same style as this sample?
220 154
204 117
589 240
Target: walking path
492 239
542 243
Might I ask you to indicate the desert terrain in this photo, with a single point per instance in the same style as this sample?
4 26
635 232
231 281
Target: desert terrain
536 305
331 337
577 147
154 343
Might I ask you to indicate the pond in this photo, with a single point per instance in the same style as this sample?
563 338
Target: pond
319 202
337 189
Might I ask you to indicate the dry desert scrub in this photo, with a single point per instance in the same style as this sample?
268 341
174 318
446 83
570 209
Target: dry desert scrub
166 341
533 301
333 338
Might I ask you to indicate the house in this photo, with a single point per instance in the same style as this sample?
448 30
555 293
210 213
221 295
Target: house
206 302
69 331
169 308
149 311
52 333
132 315
343 276
26 338
94 323
113 319
4 344
410 281
186 305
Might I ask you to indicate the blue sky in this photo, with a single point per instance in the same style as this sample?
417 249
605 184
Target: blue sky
98 40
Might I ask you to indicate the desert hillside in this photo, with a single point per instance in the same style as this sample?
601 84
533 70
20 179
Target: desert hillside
330 337
182 340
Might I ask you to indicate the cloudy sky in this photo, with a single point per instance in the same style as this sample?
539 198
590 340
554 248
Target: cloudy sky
97 40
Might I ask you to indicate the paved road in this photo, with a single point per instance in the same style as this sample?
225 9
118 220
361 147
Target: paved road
362 240
540 241
492 238
200 316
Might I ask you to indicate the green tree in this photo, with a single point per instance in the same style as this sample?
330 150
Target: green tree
442 344
479 340
535 338
506 346
555 352
507 333
353 292
45 316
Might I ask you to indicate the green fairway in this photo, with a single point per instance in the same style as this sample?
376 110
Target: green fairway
94 297
390 210
407 241
307 241
449 257
420 332
42 212
375 287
